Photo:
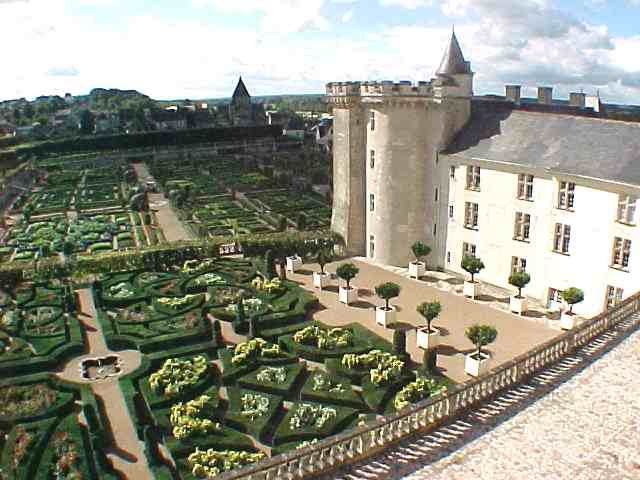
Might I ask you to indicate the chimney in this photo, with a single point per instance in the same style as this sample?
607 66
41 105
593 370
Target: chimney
545 95
513 93
577 100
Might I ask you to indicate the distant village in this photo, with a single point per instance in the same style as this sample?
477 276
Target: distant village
110 112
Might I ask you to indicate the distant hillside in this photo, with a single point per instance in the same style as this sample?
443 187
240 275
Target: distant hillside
113 99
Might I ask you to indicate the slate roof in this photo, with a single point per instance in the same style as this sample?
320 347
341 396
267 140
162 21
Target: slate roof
453 61
570 144
241 90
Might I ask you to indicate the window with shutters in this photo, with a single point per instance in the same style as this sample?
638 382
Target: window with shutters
621 253
525 187
522 227
372 121
627 209
566 195
473 178
372 158
614 297
452 173
518 265
562 238
471 215
372 202
372 246
450 211
468 250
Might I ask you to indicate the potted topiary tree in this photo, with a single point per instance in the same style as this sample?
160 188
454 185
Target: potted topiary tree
321 278
473 266
386 315
518 303
347 272
475 363
418 268
428 337
568 319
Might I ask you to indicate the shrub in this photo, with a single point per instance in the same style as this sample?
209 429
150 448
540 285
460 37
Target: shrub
192 418
383 366
248 352
270 264
420 250
254 405
323 383
277 375
572 296
347 272
308 415
301 221
283 224
415 391
519 280
209 463
324 339
472 265
400 342
177 375
481 335
323 257
387 291
429 311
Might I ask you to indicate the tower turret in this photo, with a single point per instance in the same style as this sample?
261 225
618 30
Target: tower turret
454 76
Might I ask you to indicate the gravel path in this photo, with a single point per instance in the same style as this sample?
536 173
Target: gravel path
172 227
576 421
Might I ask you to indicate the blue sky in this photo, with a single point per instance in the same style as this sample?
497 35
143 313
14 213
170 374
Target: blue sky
197 48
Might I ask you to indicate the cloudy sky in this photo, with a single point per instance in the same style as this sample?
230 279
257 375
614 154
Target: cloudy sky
172 49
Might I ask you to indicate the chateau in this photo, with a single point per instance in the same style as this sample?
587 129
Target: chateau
543 186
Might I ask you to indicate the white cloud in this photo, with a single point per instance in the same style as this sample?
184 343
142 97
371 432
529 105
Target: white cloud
347 17
55 52
408 4
277 16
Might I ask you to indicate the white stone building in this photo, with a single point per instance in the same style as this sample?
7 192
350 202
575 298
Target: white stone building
546 186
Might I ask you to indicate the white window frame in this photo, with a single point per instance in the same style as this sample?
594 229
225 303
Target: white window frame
471 214
473 178
525 186
613 297
627 209
621 253
566 195
562 238
522 227
469 249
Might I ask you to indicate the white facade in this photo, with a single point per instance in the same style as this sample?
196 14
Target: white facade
397 181
593 223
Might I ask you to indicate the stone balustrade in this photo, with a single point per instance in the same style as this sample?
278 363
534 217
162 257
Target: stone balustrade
370 439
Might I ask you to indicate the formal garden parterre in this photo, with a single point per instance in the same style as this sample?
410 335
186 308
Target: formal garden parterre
85 212
286 381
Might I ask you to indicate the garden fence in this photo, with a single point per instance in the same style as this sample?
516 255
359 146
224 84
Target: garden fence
370 439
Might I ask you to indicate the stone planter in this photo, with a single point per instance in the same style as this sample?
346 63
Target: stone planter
347 295
471 289
417 269
426 339
320 280
385 317
518 305
568 320
293 263
474 366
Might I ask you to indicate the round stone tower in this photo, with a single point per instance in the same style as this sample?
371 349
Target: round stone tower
386 140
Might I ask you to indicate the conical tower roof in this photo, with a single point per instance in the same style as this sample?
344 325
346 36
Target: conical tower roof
241 90
453 61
